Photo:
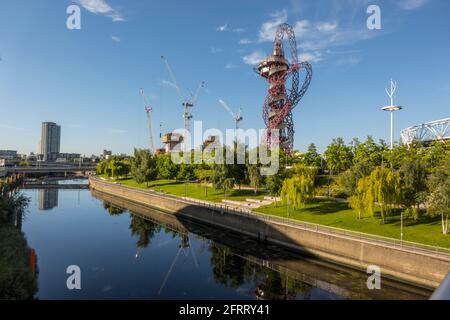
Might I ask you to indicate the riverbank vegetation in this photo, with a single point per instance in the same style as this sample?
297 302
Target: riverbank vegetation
372 187
17 279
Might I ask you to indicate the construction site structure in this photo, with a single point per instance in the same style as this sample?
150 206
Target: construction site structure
187 103
148 110
237 117
280 101
160 151
172 142
212 141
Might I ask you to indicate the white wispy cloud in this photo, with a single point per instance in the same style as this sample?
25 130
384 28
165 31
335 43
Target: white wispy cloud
254 58
231 66
115 38
222 28
245 41
114 131
326 26
269 28
167 83
225 27
313 35
351 60
316 38
310 56
411 4
101 7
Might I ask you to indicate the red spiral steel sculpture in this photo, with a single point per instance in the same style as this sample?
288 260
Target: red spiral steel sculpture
278 106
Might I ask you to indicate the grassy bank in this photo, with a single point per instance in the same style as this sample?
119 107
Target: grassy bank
193 190
334 214
338 215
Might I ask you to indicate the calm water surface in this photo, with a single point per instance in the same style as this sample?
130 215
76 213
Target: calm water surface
128 251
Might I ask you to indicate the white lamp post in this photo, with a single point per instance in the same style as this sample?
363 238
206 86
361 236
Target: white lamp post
401 228
390 92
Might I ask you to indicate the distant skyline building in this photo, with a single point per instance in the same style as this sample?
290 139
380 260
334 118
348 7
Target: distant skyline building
106 154
50 141
8 154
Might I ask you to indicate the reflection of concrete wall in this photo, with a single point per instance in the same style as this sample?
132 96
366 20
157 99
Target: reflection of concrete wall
321 274
47 198
404 264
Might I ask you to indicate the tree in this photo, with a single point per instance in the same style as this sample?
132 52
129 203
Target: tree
143 166
204 174
439 197
299 189
338 155
274 182
382 187
186 172
101 167
166 168
223 178
254 175
396 157
368 151
145 230
347 181
385 184
312 158
363 198
112 210
413 174
17 280
238 170
436 154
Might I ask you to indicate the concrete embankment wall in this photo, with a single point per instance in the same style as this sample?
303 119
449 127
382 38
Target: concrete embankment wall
420 268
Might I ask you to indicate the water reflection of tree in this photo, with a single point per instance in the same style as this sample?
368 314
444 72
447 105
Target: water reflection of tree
229 269
144 229
112 210
233 271
276 286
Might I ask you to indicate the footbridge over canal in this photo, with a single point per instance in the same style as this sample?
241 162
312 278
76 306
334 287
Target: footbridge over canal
50 169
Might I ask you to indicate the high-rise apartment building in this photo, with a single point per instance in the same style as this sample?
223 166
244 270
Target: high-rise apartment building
50 141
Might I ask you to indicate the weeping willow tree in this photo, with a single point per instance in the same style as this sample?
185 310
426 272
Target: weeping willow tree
362 201
299 189
382 188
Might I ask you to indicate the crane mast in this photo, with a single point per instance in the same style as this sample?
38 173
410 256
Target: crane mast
148 110
186 103
236 117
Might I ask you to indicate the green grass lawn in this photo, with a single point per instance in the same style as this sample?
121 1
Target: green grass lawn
193 190
339 215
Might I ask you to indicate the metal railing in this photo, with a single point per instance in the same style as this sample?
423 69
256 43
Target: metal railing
418 248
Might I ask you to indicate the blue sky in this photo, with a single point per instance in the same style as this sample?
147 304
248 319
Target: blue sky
88 80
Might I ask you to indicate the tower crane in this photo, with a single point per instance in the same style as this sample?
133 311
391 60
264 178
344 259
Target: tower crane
237 117
148 110
185 102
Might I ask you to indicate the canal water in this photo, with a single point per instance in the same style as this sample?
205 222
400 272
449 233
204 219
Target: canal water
128 251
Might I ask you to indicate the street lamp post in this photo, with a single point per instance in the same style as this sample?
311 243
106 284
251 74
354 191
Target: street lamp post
401 227
392 108
287 208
